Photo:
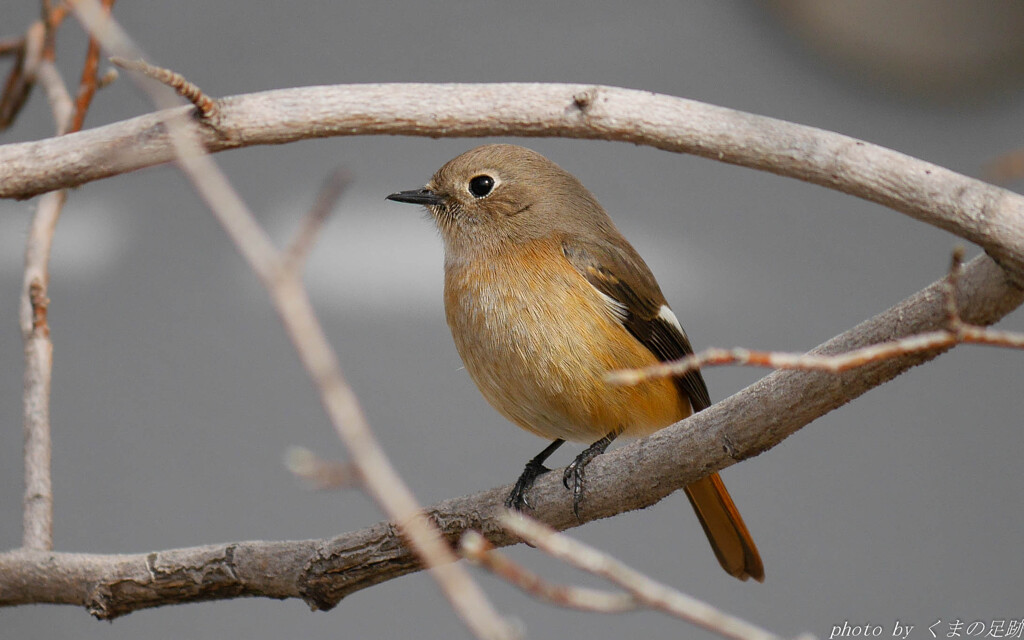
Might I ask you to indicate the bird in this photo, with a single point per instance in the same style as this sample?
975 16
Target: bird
544 297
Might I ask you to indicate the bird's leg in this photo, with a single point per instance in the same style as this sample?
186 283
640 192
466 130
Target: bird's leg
577 470
517 497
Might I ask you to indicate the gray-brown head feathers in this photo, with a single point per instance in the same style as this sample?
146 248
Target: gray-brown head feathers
506 193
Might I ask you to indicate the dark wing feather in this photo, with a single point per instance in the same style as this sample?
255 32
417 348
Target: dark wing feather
621 274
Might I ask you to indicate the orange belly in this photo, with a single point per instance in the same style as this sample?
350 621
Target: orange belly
538 343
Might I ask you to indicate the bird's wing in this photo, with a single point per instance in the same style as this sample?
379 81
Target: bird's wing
622 277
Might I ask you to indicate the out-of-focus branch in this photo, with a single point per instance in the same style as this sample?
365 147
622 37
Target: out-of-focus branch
321 474
1006 168
38 44
475 548
22 76
11 45
644 590
89 82
302 244
57 95
323 572
977 211
283 281
641 591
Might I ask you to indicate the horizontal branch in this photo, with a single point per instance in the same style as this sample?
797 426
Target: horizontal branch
984 214
323 572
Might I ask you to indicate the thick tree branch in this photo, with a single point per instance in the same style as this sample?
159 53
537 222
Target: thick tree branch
323 572
984 214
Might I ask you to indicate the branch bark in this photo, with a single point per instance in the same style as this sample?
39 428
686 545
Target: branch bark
984 214
323 572
37 504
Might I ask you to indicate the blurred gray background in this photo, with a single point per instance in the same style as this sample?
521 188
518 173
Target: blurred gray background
175 391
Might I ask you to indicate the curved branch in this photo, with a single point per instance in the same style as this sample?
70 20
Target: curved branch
984 214
323 572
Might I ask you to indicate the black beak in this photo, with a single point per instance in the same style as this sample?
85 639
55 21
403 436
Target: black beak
417 196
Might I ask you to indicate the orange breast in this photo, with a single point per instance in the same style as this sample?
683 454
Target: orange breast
537 339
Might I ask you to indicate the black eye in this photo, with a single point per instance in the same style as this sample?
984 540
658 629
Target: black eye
480 186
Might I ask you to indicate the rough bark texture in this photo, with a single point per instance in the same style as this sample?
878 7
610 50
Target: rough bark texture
984 214
322 572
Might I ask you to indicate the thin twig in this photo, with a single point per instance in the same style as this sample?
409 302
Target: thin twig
1006 168
322 474
301 245
37 519
52 18
291 301
38 500
956 268
475 548
56 15
108 78
207 106
57 95
956 332
88 84
11 45
642 588
22 76
932 341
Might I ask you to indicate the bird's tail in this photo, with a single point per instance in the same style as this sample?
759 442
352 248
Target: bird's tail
724 527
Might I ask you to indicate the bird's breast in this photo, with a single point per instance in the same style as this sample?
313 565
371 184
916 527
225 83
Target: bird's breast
537 339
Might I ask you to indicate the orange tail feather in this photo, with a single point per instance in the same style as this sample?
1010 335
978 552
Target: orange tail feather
724 527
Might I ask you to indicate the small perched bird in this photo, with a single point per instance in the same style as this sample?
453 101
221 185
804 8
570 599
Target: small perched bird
544 297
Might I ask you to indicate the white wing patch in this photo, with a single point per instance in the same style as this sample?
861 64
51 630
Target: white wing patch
619 310
668 316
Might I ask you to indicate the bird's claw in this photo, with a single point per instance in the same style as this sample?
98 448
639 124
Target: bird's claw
517 498
576 471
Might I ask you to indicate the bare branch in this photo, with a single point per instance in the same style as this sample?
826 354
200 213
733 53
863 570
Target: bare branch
322 573
37 515
302 243
37 504
979 212
206 106
956 332
290 300
642 588
108 78
475 548
1006 168
57 95
88 84
22 76
11 45
956 269
320 473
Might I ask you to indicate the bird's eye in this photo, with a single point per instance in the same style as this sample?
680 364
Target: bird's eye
480 186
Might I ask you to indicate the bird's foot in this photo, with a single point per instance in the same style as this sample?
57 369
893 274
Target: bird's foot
517 499
576 472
